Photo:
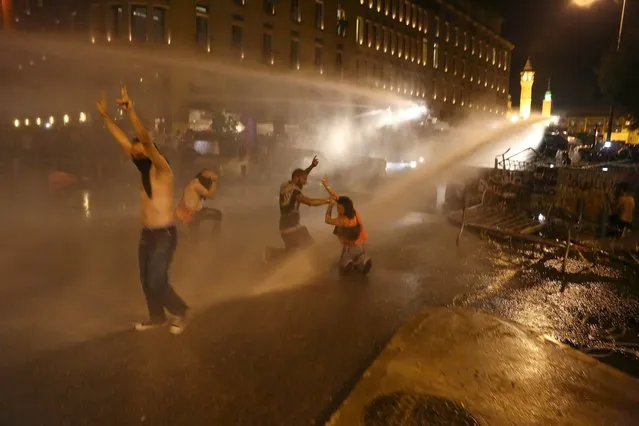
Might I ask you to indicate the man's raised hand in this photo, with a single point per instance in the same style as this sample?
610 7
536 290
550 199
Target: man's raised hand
124 101
315 162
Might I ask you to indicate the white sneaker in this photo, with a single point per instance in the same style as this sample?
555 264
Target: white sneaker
178 324
148 325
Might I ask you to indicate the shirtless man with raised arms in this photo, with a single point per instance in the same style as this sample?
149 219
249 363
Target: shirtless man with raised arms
158 239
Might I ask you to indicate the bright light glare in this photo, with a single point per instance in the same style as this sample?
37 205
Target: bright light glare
607 144
47 125
239 127
38 121
413 164
16 122
51 120
514 118
65 119
541 218
402 115
421 160
83 117
584 3
554 119
26 121
605 169
86 203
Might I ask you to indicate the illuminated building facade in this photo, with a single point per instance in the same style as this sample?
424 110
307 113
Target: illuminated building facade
527 79
447 54
592 122
546 106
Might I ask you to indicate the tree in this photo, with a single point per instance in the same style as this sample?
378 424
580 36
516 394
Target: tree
618 75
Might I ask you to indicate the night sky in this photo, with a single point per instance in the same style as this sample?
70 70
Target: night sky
565 44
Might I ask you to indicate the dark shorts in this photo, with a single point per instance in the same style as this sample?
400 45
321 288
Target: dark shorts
298 239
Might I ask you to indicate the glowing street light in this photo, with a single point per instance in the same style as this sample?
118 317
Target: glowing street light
38 121
51 120
16 122
584 3
26 121
65 119
83 117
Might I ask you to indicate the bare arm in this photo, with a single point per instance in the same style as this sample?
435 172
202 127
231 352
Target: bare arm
114 129
314 164
143 135
313 202
330 190
203 192
328 218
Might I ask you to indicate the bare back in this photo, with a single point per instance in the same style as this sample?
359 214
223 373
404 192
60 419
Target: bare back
157 211
192 200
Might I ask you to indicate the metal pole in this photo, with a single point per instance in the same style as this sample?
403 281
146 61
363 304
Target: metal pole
612 104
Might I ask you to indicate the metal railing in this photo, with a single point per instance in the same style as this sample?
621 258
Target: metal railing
508 163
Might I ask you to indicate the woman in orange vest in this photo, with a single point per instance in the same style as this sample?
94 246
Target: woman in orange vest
351 233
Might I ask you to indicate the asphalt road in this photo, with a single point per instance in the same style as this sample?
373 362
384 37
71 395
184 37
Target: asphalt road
266 344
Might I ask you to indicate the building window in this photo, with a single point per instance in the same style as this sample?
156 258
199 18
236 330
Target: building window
296 13
239 2
436 26
447 29
481 49
342 22
494 55
415 16
407 12
445 61
318 58
425 22
360 28
464 69
424 51
268 6
393 38
369 33
237 37
138 23
435 55
378 36
295 53
117 21
202 26
456 36
267 48
400 11
465 41
159 24
472 51
339 63
406 47
319 14
386 39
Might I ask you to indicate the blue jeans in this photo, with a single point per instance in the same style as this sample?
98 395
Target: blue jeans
156 250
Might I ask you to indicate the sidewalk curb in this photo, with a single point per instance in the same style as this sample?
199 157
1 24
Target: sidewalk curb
401 369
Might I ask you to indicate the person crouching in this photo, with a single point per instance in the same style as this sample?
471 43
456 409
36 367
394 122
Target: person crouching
351 233
190 210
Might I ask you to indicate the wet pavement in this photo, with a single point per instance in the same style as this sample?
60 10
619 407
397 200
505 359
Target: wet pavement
464 367
267 345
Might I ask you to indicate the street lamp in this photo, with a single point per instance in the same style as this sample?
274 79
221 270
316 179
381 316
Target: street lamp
586 3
